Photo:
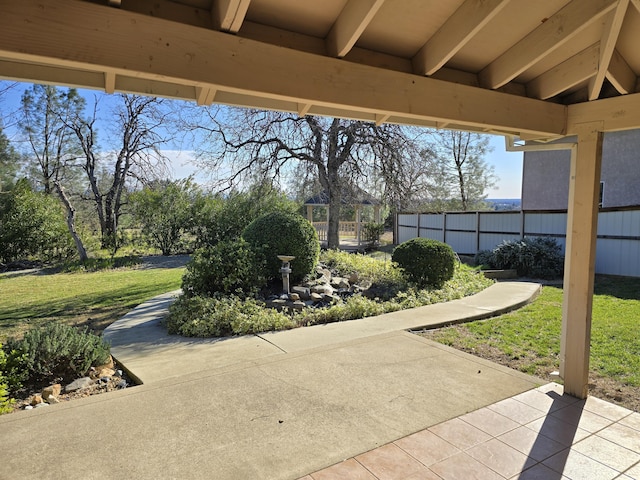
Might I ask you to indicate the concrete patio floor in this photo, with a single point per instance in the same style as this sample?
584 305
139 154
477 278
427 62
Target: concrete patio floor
287 404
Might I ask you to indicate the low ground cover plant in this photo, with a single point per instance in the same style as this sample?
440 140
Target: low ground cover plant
220 315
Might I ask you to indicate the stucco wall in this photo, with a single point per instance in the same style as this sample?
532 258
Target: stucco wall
545 175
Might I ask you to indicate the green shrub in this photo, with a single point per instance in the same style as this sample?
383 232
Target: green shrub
223 316
283 233
484 258
54 351
230 266
6 402
372 232
426 262
33 227
224 218
538 257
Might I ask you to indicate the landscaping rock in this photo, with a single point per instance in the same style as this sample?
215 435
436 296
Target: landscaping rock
330 298
303 292
354 278
323 289
294 297
52 399
106 372
36 400
52 390
316 297
41 405
109 364
298 305
79 384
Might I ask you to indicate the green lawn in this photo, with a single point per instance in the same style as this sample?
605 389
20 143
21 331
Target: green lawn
529 339
95 299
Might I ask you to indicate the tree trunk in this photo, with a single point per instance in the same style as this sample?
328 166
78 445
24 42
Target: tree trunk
333 227
71 222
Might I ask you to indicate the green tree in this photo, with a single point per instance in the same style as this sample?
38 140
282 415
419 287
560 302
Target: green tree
223 218
165 211
9 163
460 175
33 227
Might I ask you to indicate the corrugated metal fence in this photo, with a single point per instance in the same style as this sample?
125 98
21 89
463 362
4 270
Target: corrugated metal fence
618 246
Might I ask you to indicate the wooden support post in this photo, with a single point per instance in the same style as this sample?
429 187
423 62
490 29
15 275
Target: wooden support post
310 213
582 223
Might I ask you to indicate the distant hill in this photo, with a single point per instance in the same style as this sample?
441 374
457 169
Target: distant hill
505 203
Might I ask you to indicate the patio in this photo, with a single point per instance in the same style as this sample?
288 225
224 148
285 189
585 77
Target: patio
540 434
297 403
534 71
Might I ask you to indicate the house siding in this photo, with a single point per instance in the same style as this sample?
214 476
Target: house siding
545 175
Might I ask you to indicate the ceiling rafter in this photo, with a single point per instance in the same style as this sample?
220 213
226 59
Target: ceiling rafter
620 75
83 36
228 15
607 46
456 32
569 73
350 24
553 33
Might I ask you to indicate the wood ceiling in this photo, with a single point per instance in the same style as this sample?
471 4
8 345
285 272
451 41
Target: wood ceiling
529 68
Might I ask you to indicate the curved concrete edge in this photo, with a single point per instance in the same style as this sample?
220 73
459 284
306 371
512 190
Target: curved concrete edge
141 344
519 294
497 299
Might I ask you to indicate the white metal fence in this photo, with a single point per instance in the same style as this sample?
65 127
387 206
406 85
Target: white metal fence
617 250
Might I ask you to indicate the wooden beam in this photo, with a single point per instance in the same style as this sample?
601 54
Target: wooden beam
620 74
303 109
569 73
51 75
350 24
456 32
552 34
228 15
607 46
381 118
617 113
109 82
580 259
205 95
82 35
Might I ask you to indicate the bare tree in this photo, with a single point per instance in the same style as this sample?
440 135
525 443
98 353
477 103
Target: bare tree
242 142
137 156
46 111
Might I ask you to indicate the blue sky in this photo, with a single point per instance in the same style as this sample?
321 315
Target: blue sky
507 165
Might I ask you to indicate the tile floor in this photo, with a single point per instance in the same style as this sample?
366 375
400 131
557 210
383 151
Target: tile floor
537 435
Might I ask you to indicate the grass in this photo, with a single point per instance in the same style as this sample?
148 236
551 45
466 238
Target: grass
94 299
529 339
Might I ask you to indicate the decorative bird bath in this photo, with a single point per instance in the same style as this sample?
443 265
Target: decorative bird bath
285 270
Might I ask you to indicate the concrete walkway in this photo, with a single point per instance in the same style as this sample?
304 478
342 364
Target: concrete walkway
275 406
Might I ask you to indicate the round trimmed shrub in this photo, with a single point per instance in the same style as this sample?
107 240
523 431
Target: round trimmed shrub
283 233
425 262
229 266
